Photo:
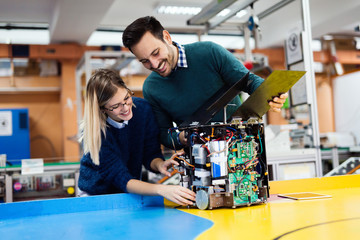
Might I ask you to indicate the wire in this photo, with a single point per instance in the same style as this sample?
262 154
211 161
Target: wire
217 152
354 169
191 138
204 146
181 159
260 141
263 168
170 130
232 143
39 137
232 134
252 164
233 129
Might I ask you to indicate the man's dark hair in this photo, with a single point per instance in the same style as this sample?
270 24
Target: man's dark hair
136 30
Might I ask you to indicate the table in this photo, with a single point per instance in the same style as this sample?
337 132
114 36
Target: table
128 216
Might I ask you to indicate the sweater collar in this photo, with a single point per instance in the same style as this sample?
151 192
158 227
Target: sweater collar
182 57
116 124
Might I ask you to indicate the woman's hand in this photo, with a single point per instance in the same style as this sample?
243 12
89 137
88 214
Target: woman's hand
174 193
177 194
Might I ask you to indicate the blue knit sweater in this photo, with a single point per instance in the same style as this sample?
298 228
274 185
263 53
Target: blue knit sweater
178 96
122 153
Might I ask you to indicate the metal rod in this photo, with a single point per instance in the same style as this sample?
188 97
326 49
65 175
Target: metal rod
274 8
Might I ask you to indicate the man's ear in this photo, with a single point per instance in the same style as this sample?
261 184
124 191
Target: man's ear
167 37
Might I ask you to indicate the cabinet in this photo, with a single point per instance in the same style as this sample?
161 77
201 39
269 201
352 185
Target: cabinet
51 100
56 51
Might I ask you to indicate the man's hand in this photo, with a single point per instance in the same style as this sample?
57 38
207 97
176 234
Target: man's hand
277 102
182 138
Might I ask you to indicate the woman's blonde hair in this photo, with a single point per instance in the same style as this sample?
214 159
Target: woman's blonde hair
102 86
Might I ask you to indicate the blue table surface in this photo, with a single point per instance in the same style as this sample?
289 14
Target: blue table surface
117 216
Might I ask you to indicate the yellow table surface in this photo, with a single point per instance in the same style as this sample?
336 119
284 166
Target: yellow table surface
337 217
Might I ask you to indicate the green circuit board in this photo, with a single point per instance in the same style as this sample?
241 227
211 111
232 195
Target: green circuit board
242 176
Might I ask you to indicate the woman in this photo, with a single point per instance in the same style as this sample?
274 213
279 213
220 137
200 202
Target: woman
119 135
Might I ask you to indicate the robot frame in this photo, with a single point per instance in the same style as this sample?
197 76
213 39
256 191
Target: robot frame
225 163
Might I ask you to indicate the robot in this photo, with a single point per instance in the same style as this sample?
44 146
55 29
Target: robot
225 164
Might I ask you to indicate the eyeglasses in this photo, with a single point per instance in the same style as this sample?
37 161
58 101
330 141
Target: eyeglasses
128 101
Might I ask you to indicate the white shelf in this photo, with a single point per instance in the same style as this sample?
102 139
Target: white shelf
29 89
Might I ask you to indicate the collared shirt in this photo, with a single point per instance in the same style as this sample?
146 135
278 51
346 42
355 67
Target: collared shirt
182 57
116 124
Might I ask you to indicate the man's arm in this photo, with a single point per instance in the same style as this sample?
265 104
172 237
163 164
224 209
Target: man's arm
232 70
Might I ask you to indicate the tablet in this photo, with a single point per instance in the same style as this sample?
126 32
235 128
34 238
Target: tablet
304 195
279 81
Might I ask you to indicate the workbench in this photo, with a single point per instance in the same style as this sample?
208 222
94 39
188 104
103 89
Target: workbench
128 216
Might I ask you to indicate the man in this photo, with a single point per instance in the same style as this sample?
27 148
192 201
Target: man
184 77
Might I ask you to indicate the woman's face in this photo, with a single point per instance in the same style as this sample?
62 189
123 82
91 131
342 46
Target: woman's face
119 108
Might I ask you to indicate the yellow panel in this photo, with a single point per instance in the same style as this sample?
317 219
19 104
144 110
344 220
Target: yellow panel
337 217
314 184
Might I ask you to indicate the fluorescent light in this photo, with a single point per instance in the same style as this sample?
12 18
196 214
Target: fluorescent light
328 37
178 10
223 13
187 10
241 13
99 38
24 36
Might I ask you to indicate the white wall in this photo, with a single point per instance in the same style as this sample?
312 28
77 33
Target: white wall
347 104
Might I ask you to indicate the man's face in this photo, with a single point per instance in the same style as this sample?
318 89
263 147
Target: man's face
156 55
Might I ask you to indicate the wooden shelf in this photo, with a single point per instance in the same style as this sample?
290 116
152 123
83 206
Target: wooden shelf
29 84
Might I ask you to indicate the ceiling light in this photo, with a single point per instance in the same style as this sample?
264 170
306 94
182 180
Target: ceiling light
223 13
191 10
241 13
328 37
178 10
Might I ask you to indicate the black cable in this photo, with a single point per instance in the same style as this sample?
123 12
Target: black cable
48 141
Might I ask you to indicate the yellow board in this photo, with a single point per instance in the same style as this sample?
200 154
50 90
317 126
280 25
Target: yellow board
337 217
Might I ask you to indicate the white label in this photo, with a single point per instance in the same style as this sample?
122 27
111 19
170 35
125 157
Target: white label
68 182
293 48
32 166
6 123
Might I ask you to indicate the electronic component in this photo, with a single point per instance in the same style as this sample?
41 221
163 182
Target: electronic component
225 164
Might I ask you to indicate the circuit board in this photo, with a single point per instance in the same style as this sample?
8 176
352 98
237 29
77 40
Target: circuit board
242 155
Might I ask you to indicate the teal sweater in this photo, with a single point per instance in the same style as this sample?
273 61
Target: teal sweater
178 96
